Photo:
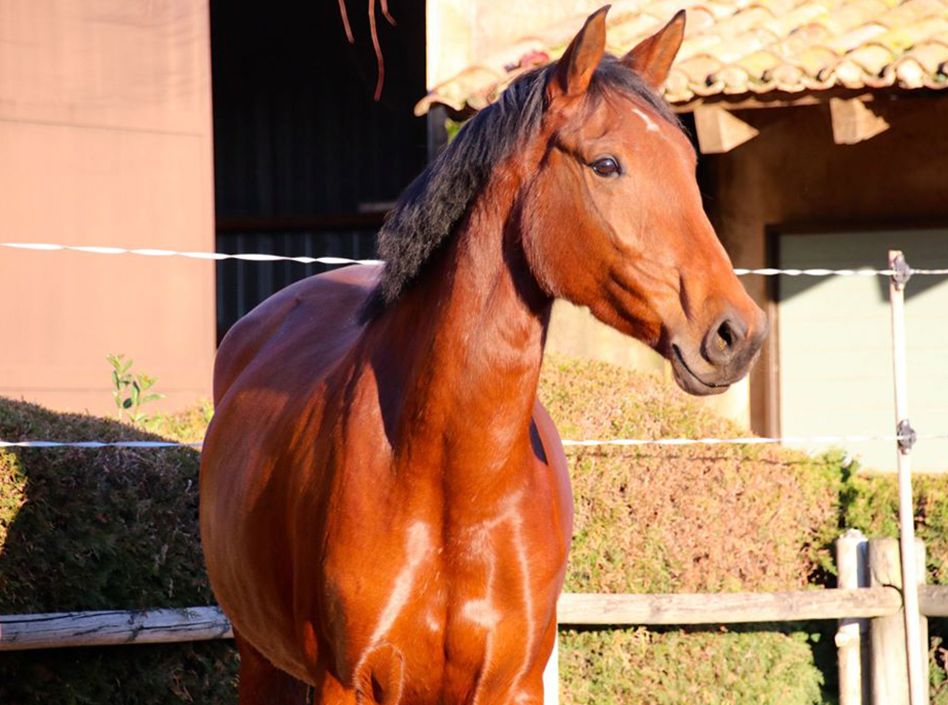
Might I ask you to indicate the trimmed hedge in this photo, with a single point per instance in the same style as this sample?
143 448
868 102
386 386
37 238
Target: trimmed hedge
873 507
99 529
622 666
686 519
92 529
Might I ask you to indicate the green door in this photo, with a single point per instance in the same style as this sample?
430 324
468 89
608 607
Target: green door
835 345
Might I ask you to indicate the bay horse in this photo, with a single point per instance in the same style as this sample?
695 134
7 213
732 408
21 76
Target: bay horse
385 506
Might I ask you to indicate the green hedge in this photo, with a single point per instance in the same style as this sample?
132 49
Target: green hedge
100 529
712 518
91 529
621 666
871 505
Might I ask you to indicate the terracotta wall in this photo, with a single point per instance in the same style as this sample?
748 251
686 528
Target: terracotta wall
105 139
793 173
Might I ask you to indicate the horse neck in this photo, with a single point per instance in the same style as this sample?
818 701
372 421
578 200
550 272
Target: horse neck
469 335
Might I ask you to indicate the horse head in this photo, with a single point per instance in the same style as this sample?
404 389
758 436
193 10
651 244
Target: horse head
611 216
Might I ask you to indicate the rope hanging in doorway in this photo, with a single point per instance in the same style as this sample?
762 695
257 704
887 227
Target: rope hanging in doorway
373 32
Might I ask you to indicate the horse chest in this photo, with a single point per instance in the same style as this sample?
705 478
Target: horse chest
447 615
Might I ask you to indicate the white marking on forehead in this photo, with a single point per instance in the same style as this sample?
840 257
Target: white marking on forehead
650 125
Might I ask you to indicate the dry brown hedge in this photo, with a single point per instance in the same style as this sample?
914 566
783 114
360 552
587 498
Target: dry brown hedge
689 518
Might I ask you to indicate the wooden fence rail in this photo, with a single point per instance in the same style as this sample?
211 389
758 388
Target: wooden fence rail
71 629
869 606
726 608
112 627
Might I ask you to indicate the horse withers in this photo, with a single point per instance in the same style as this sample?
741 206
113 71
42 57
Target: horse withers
385 506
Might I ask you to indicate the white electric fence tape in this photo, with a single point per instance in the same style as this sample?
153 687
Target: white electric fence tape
750 440
98 444
820 272
261 257
149 252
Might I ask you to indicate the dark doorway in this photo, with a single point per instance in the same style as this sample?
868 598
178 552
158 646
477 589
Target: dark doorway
305 160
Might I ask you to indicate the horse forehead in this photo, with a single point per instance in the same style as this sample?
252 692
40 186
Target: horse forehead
625 118
637 116
646 126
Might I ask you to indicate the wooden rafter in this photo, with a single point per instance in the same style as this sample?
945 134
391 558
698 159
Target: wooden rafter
855 121
720 131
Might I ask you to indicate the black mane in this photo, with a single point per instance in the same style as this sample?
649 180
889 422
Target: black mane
431 207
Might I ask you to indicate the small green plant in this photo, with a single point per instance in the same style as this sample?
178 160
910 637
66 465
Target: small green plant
452 128
130 389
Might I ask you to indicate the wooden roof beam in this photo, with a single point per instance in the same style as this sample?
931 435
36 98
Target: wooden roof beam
855 121
719 130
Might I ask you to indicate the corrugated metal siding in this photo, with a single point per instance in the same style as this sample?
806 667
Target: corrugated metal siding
298 134
242 285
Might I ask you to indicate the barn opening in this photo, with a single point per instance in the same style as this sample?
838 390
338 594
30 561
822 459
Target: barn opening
305 161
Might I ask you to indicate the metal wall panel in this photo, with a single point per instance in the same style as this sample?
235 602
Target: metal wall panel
242 285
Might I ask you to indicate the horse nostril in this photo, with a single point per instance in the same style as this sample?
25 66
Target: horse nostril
726 337
724 341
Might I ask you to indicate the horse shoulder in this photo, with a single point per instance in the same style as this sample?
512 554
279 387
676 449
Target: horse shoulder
269 375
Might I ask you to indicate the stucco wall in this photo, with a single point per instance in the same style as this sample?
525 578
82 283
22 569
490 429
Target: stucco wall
105 139
793 174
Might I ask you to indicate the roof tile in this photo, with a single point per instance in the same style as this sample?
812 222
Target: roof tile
784 25
852 14
750 46
871 59
855 38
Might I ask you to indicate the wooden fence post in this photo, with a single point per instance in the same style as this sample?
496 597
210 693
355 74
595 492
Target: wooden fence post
852 637
890 684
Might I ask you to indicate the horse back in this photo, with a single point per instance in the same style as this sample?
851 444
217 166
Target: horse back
326 306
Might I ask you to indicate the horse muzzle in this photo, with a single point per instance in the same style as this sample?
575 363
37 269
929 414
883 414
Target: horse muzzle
725 354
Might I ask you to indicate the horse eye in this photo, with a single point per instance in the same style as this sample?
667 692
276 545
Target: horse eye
606 166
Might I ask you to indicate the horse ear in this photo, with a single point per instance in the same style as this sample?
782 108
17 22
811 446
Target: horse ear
575 68
652 58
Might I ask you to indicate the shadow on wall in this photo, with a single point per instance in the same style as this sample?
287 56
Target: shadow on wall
924 248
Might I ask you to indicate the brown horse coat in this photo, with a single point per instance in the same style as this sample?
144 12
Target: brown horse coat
385 506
